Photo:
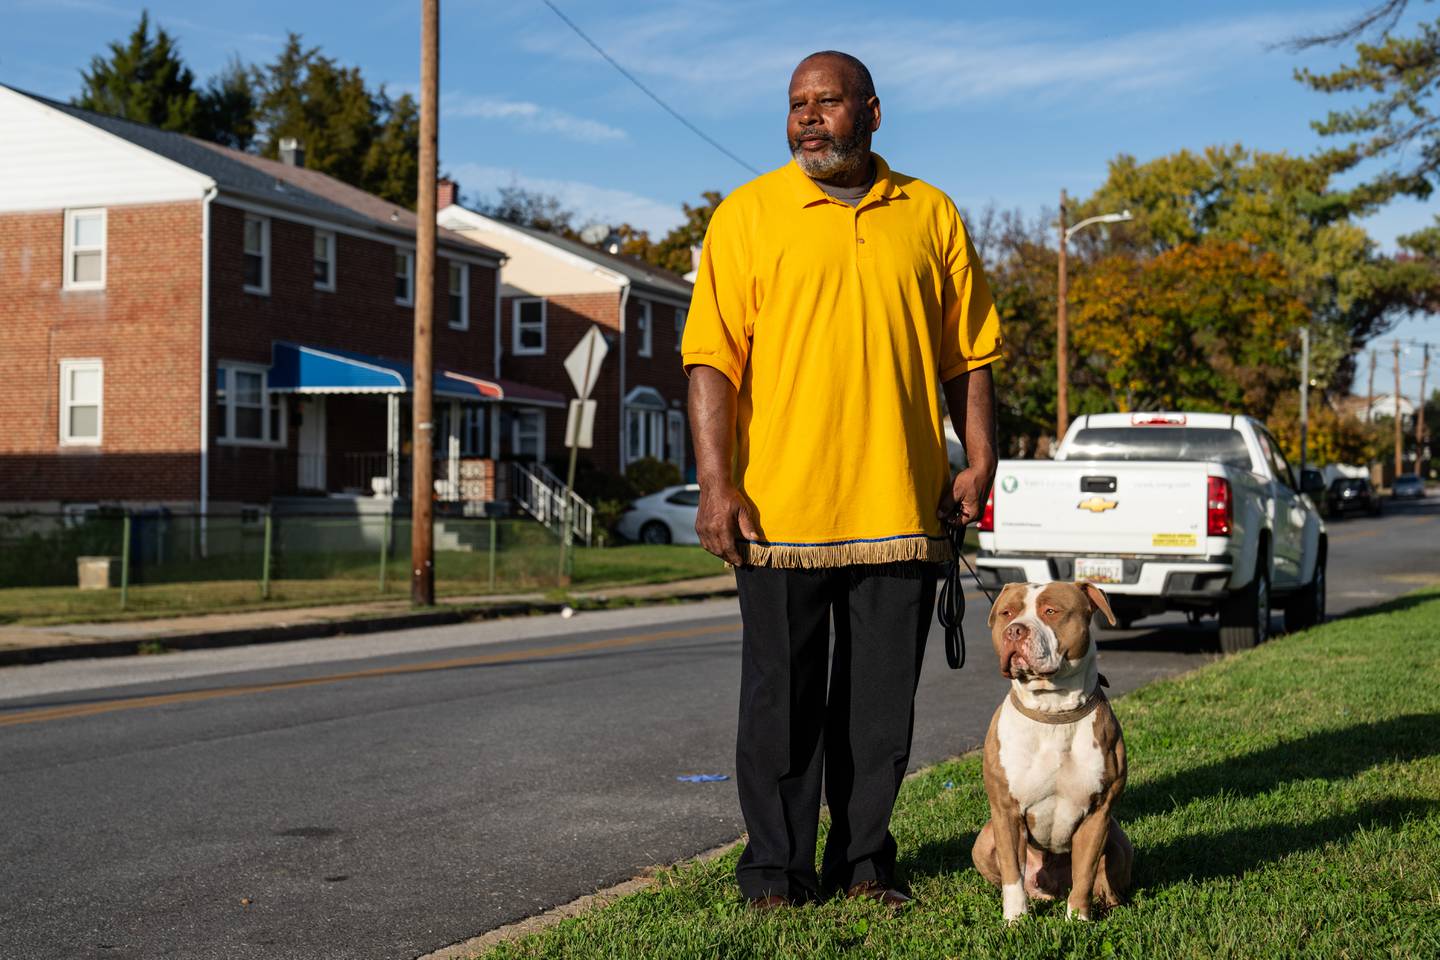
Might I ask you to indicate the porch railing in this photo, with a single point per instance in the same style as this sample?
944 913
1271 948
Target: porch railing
540 493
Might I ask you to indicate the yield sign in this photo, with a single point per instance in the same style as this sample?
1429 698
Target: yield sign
583 364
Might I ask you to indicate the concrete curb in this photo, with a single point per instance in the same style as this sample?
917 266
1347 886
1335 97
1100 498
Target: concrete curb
281 633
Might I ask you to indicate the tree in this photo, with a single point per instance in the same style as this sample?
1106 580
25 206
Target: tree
1202 326
531 208
673 250
1280 204
1403 73
143 80
229 106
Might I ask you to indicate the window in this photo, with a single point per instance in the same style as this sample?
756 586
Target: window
1278 464
644 424
471 430
528 335
644 328
257 254
324 260
249 413
684 498
679 327
82 400
1160 443
675 438
85 250
404 277
527 434
460 296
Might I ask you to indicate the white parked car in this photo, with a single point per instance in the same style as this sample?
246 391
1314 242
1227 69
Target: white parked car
1169 511
664 517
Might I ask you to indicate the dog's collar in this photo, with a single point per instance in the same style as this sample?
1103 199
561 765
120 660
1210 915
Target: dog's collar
1087 707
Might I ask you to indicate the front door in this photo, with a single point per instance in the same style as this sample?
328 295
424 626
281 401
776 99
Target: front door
312 443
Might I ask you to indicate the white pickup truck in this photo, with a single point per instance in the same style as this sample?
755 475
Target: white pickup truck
1168 511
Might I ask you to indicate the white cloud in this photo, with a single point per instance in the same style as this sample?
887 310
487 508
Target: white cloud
591 202
928 63
530 116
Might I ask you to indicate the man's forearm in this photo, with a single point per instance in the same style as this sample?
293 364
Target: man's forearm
713 403
971 398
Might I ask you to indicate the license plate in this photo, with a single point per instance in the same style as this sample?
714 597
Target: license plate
1100 570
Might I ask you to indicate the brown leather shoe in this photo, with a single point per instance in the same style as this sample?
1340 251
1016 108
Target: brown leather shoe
765 904
877 891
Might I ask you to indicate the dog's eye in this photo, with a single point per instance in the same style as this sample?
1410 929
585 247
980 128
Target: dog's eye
1049 611
1005 613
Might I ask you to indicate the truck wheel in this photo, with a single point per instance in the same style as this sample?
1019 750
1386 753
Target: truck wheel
1307 607
1245 616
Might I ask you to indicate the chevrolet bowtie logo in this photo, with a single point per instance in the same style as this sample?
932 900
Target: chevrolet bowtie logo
1097 505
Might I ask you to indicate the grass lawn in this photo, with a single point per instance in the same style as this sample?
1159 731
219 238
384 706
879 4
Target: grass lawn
1284 802
307 580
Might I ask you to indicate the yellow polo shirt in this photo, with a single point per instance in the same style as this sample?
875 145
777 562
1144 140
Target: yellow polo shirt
837 325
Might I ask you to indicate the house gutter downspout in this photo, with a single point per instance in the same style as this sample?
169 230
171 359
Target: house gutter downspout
205 366
624 322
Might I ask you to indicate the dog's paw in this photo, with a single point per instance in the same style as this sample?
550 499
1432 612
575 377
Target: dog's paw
1014 901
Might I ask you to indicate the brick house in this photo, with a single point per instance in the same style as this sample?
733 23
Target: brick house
552 290
198 328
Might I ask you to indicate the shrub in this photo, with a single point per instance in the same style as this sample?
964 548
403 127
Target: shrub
649 475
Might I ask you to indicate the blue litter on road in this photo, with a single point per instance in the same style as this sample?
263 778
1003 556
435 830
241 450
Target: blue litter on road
703 777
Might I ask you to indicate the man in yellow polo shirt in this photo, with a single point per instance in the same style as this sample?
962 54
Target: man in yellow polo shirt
835 299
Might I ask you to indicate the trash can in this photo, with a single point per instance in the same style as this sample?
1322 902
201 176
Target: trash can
98 573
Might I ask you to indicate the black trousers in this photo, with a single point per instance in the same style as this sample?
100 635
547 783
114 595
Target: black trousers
855 735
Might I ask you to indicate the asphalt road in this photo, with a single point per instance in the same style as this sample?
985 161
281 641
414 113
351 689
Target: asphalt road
384 796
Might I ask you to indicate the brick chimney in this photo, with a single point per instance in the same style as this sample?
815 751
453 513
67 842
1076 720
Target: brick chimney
292 154
447 191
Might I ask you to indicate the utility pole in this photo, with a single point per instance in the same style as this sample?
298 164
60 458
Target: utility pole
422 526
1370 395
1062 341
1399 462
1304 398
1420 415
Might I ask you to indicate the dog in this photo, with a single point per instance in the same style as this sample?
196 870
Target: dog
1054 757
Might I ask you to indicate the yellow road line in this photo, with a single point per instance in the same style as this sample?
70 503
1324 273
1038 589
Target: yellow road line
533 653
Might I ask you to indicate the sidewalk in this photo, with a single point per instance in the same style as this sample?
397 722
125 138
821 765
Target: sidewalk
22 645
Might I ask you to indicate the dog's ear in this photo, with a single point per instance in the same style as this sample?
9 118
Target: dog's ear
1000 601
1098 600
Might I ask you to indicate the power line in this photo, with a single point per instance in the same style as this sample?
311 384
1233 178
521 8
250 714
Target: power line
646 90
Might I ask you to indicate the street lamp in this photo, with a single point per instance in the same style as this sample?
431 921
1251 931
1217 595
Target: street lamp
1062 330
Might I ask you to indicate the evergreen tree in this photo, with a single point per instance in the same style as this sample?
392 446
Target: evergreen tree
228 107
143 79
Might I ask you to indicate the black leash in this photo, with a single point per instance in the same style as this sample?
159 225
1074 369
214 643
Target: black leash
951 608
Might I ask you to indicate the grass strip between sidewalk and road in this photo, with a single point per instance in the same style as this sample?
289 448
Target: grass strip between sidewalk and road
458 574
1282 802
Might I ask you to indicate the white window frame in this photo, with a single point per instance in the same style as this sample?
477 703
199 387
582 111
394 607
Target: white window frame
329 285
67 401
264 288
70 283
681 314
646 323
539 420
464 269
271 403
409 255
515 348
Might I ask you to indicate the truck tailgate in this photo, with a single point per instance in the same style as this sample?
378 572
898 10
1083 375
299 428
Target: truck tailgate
1099 508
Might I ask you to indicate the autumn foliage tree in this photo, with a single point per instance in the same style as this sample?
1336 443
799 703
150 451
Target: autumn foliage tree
1202 326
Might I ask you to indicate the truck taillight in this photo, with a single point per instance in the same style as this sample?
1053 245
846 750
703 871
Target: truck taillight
987 519
1219 508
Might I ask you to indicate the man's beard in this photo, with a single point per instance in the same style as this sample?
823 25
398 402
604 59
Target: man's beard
845 154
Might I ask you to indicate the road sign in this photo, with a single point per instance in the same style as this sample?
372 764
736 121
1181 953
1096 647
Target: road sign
583 364
580 424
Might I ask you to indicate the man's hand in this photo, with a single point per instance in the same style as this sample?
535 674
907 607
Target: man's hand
962 503
722 521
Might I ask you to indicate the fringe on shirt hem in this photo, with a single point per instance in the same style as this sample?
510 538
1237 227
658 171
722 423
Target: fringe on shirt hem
848 554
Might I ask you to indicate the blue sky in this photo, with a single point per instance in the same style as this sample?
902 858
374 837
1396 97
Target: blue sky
995 103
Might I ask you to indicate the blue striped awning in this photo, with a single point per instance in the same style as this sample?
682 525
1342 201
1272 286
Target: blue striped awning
295 368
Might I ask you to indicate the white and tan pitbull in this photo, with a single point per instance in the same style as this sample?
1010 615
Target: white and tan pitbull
1054 756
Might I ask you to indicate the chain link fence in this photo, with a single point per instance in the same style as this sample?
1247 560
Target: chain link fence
163 561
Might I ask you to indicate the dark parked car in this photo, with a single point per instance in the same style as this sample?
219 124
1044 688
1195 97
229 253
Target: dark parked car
1408 485
1351 495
